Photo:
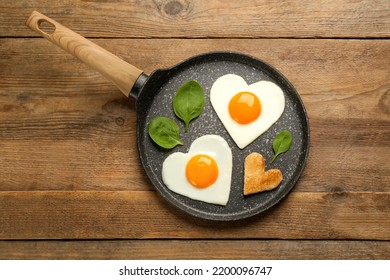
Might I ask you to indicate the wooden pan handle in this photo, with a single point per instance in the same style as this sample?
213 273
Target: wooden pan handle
121 73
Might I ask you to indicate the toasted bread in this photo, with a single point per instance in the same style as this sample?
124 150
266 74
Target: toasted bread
256 179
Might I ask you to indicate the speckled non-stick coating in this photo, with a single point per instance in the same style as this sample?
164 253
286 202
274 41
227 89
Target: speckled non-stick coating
155 99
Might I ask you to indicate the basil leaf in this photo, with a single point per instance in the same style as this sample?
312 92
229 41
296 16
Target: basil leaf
165 132
188 102
281 143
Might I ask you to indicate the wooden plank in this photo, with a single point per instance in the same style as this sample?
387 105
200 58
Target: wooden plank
145 215
319 69
206 18
63 127
195 250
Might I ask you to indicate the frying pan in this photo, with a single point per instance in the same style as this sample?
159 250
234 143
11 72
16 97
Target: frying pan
154 93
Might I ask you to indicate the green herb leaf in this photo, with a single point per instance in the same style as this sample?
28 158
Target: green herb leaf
188 102
282 143
165 132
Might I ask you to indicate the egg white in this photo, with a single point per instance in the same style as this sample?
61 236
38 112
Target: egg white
174 170
272 106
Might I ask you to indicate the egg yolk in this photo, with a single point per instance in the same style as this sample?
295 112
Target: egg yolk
201 171
244 107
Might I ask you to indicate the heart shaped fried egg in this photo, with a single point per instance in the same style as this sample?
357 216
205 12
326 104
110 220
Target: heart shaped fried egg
204 173
246 111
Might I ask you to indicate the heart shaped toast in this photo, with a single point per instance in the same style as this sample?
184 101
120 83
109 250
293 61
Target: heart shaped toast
256 179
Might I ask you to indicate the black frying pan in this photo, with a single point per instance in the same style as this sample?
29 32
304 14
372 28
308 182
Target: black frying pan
154 95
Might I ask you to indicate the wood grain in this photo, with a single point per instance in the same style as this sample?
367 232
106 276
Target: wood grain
195 250
312 65
67 128
72 187
145 215
206 18
119 72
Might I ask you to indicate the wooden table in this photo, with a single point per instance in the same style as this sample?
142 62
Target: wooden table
71 183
